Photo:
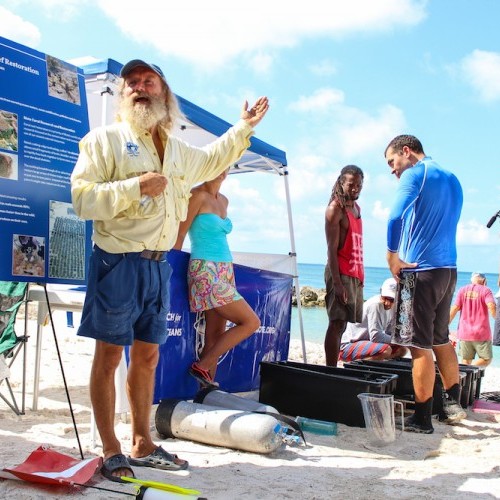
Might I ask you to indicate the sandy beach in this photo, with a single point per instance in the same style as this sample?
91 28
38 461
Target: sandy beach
459 462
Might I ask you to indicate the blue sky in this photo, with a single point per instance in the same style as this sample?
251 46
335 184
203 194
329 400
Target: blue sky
343 78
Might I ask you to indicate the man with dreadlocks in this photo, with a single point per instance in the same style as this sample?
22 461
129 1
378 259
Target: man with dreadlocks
344 273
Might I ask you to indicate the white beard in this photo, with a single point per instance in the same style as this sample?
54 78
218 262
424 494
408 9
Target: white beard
143 116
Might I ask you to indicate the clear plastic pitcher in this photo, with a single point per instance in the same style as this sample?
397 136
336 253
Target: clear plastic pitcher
378 412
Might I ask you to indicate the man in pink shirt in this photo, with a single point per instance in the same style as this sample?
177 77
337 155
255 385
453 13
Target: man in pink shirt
474 301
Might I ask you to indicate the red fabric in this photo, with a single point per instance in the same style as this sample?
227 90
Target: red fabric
350 256
47 466
361 350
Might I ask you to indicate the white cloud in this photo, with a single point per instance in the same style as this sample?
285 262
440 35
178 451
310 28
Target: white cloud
260 222
367 133
252 204
233 188
261 63
472 233
344 133
324 68
310 177
380 212
321 101
64 10
16 28
481 70
210 34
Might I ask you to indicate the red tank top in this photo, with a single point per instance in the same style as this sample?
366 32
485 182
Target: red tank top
350 256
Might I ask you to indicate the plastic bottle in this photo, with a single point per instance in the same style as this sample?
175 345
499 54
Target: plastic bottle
317 426
146 493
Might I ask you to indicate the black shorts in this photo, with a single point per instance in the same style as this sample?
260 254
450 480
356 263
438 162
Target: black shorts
423 307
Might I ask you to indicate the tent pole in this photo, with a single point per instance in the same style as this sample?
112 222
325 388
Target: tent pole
105 91
293 254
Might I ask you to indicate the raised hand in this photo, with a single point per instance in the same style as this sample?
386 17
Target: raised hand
255 114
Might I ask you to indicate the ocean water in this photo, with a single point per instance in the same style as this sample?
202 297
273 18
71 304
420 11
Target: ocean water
315 320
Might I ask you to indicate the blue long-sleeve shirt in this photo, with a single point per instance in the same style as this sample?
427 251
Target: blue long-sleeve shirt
423 221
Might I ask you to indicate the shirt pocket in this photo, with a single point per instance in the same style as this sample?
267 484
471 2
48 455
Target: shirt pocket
182 193
145 208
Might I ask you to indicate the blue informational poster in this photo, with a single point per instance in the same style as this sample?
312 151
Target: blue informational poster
268 293
43 116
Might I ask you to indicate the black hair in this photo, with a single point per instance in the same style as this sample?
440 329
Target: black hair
400 141
337 191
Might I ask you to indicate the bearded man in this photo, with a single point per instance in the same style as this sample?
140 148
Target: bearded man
344 271
133 180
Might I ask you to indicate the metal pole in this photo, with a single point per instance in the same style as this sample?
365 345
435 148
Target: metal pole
293 254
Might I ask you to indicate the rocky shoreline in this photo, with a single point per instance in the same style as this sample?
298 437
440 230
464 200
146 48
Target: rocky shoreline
310 297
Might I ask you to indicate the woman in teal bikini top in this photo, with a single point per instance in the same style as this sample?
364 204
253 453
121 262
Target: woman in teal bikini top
208 236
211 284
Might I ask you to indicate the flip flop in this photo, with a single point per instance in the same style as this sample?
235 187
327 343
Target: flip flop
160 459
114 463
202 376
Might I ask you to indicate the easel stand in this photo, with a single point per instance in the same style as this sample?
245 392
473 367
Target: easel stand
37 368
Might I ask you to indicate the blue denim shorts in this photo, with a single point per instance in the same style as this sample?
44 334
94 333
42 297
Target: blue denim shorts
127 298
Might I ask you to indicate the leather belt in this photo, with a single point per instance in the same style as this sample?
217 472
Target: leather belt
154 255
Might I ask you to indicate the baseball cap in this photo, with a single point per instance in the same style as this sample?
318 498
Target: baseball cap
389 287
136 63
478 275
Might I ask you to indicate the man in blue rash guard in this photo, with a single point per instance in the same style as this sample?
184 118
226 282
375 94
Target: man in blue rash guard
421 243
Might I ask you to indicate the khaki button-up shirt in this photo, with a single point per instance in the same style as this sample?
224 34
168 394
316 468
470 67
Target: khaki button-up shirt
105 183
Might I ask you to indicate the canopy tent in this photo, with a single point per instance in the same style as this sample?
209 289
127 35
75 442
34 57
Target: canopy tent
199 128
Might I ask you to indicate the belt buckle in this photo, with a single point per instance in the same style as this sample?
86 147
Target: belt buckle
157 256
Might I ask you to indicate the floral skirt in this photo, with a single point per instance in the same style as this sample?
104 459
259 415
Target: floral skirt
211 284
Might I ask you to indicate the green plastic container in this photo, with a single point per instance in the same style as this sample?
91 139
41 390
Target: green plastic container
317 426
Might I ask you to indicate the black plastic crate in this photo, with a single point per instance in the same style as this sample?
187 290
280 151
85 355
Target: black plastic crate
475 373
320 392
404 385
404 388
471 386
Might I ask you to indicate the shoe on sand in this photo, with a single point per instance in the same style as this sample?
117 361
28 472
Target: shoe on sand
160 459
113 464
452 411
411 425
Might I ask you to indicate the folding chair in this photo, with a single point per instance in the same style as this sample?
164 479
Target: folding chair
12 295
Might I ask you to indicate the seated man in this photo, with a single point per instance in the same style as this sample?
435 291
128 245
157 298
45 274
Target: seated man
371 339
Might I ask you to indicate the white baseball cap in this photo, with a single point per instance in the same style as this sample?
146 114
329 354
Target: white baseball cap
478 275
389 287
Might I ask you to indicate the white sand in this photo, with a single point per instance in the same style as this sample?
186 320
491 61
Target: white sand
459 462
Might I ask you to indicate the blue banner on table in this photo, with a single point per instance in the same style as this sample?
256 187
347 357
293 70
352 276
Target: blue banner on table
43 116
268 293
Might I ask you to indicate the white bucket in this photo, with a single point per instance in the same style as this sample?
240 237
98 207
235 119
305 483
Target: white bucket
378 412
